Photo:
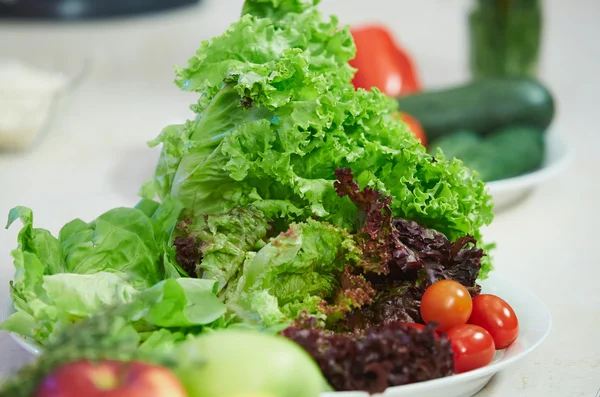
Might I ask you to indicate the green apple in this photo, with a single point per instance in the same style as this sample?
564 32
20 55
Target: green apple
247 363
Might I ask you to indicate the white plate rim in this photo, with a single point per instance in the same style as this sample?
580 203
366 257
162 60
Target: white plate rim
487 371
29 345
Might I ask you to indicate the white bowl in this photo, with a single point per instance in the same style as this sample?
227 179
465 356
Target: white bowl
535 322
43 104
507 192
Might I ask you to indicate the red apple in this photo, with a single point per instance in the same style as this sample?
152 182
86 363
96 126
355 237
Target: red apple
111 379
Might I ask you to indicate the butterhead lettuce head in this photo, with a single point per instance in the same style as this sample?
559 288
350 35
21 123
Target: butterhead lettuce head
277 114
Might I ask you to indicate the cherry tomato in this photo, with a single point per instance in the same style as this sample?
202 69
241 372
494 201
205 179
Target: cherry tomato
420 327
497 317
473 347
447 303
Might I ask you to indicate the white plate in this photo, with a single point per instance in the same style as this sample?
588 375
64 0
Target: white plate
507 192
535 322
25 342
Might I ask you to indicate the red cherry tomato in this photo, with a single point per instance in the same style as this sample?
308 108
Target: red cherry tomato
420 327
447 303
473 347
497 317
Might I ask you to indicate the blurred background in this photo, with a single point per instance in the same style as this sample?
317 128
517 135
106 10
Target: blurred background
85 84
116 63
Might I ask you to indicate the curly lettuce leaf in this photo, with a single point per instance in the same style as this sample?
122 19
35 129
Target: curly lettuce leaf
278 114
214 247
383 357
401 259
297 271
276 9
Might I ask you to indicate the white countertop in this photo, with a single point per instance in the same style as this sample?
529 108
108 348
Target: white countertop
95 156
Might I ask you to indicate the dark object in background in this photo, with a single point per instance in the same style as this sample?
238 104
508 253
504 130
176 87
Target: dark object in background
84 9
505 38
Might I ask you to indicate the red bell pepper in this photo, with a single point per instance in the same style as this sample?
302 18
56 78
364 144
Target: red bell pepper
382 63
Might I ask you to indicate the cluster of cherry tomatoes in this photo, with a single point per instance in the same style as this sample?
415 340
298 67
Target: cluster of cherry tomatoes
476 327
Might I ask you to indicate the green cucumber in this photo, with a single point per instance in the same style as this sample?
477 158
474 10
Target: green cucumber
507 153
482 106
455 144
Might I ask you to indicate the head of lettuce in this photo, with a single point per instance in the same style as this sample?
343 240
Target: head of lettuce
277 114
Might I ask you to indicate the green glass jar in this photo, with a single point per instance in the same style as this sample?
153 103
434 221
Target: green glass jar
505 38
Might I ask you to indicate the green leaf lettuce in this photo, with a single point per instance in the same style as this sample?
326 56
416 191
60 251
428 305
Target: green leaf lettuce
278 114
117 258
297 271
